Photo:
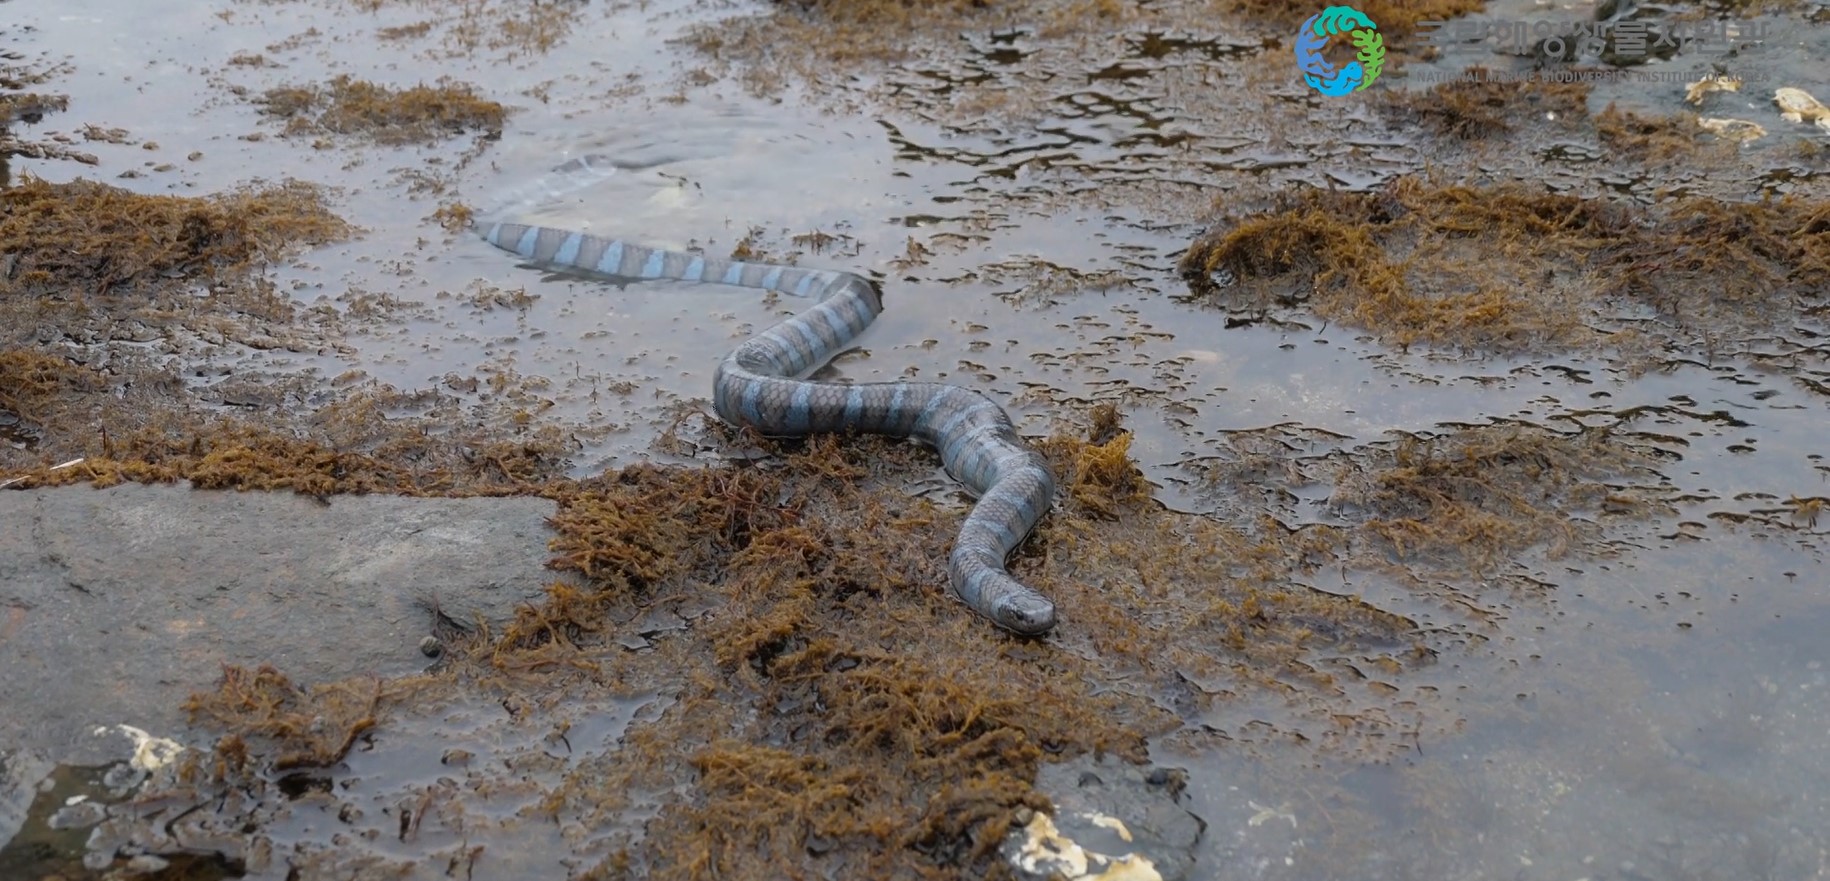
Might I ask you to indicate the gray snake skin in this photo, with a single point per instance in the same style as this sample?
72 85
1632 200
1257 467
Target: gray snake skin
756 385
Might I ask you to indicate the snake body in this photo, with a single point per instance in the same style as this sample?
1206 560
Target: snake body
758 385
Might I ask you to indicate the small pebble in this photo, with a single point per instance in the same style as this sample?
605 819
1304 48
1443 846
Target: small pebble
78 816
122 776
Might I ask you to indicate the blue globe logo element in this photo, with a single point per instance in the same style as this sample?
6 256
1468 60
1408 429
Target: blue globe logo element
1324 26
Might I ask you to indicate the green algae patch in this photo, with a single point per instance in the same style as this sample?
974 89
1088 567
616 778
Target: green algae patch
1509 268
349 106
70 239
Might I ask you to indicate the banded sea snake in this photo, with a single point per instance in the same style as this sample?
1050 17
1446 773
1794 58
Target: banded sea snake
757 385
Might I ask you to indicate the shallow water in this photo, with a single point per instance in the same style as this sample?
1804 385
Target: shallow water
1652 714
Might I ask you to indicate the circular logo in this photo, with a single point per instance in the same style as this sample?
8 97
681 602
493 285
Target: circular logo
1320 30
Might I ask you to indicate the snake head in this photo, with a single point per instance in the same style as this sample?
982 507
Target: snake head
1028 615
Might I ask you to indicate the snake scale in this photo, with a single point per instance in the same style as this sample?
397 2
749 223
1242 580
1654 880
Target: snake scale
757 385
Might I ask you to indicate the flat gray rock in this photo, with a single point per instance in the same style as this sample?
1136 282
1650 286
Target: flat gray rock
116 604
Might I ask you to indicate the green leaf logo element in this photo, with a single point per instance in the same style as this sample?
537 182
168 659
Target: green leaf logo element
1371 54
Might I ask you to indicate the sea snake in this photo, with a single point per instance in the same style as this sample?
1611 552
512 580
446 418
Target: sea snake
757 385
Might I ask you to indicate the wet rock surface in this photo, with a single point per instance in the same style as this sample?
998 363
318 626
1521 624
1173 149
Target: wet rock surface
1472 461
162 585
1112 819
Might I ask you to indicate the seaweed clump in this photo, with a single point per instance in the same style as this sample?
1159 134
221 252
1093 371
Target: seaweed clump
808 36
837 712
1396 18
838 709
347 106
831 709
64 240
296 726
34 385
1098 473
1542 113
884 13
1477 498
90 264
228 454
1482 104
1658 138
910 769
1506 267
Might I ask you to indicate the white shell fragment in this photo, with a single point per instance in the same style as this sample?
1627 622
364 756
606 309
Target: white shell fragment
1715 83
1046 852
1738 129
1798 105
149 753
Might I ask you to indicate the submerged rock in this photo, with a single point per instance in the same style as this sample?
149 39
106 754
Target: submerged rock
1112 822
117 604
